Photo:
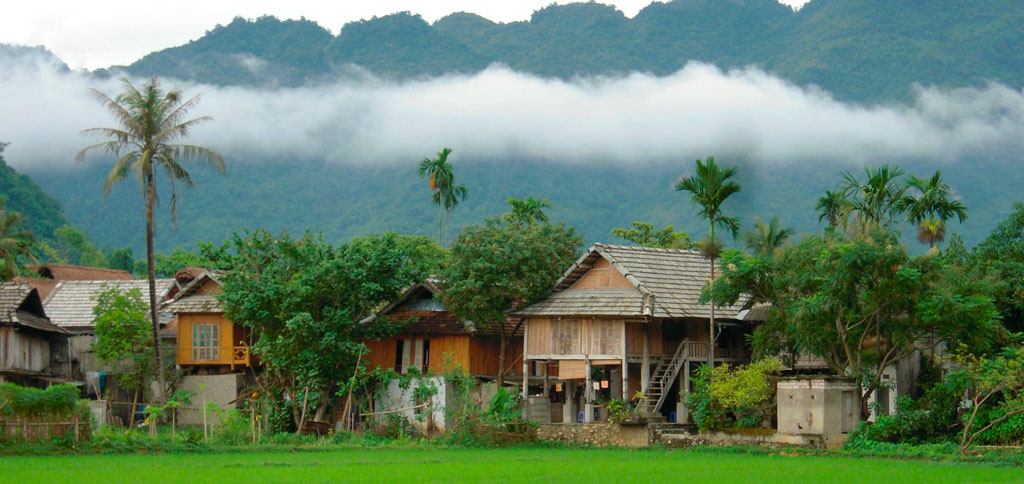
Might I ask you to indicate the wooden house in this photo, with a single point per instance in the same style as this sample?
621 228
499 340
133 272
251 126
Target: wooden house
206 340
70 306
429 337
627 319
33 351
434 341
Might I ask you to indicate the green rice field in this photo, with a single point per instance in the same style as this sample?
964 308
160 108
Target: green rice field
487 465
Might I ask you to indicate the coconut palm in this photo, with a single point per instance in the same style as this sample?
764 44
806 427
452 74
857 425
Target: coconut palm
14 243
146 142
709 188
832 206
929 205
527 211
765 239
876 200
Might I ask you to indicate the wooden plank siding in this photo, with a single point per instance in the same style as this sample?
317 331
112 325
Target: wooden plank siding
23 351
227 336
602 275
573 338
476 354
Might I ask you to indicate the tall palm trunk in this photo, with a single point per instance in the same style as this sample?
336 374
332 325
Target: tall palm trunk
711 321
440 224
153 310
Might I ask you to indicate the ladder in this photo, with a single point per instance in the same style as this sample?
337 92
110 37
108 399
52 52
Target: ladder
661 381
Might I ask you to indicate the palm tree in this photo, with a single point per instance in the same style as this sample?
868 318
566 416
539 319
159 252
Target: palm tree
930 206
14 242
150 122
528 211
451 195
832 206
764 240
876 199
709 188
441 176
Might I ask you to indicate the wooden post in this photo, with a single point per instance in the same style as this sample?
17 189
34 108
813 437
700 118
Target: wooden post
76 429
645 369
588 392
685 391
625 365
526 364
547 393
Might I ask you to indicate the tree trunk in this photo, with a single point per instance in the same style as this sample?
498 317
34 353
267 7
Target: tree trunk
153 309
440 225
711 321
501 357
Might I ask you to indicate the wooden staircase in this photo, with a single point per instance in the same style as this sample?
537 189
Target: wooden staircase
661 381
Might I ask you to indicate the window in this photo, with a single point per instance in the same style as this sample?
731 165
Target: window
426 355
565 337
399 346
606 337
205 342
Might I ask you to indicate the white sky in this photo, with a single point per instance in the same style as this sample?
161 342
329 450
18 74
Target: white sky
93 34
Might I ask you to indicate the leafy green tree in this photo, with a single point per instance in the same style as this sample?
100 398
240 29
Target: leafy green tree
73 246
122 337
644 235
447 194
992 383
302 301
709 188
15 244
877 199
497 267
929 205
150 122
527 211
1001 255
765 239
833 207
121 259
859 302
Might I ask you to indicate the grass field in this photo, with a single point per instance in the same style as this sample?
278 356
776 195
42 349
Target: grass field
499 465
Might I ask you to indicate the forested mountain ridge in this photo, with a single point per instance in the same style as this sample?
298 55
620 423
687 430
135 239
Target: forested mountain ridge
859 50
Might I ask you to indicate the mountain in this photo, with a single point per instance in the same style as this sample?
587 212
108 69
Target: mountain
862 51
866 51
41 211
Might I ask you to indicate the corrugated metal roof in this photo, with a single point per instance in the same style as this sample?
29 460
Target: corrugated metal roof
667 283
72 302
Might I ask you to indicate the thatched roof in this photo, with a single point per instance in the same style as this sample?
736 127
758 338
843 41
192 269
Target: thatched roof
20 305
72 302
63 272
667 283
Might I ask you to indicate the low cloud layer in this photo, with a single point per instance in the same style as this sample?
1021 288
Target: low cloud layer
500 114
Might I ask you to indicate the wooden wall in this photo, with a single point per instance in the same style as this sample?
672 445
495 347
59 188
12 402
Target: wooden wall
23 350
477 354
550 336
602 275
635 338
227 338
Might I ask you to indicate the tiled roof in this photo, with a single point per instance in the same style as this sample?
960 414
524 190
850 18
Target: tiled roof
71 303
200 303
189 300
44 286
667 283
18 302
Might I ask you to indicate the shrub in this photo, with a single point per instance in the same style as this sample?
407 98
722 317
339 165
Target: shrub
56 402
733 396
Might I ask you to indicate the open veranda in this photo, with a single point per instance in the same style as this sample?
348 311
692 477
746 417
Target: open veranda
493 465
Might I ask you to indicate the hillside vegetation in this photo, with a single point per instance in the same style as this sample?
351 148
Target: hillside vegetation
860 50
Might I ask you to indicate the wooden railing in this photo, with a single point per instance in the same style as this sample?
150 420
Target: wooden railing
240 356
698 350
